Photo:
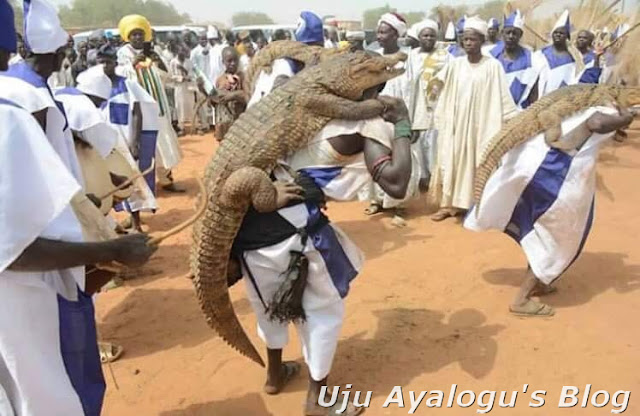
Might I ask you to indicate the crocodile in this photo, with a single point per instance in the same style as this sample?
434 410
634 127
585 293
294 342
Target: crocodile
306 54
546 116
237 176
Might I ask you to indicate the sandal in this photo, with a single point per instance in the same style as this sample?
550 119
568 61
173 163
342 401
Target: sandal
290 369
442 215
532 309
373 209
109 352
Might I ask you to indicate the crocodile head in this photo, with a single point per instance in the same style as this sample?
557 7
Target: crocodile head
350 75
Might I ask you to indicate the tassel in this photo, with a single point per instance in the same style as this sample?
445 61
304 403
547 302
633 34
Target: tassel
286 305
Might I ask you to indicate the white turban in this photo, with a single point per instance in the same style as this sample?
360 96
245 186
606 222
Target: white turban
212 33
93 81
43 32
425 24
395 22
353 35
477 24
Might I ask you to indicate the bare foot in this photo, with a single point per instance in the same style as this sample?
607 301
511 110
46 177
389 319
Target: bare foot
288 371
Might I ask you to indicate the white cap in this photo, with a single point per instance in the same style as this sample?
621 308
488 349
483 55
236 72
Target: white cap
353 35
477 24
564 21
93 81
394 21
450 33
515 19
212 33
43 32
422 25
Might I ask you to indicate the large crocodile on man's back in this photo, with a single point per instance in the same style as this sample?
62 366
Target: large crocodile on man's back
238 175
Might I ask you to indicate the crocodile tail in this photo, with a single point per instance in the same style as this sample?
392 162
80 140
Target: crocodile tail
209 262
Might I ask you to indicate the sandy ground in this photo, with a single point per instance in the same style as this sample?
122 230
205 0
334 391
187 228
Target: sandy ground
429 310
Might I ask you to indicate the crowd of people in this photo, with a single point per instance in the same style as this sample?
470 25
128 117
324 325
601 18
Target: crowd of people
95 127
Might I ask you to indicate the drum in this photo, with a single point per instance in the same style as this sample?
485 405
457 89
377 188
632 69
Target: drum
95 173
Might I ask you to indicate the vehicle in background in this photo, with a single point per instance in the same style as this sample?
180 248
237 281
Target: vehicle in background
163 33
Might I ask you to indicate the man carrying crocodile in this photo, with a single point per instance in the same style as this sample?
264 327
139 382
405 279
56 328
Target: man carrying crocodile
335 164
543 192
297 266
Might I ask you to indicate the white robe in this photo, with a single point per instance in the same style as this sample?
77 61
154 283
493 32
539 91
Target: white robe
334 260
46 368
118 112
474 102
184 90
264 83
544 199
169 154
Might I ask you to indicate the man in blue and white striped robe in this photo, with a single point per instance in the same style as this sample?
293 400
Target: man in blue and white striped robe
543 198
517 61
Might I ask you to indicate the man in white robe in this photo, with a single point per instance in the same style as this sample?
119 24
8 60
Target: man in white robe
201 60
148 69
134 114
544 199
423 65
391 27
49 362
182 75
474 103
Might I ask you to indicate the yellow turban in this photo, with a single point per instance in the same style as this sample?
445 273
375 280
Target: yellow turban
132 22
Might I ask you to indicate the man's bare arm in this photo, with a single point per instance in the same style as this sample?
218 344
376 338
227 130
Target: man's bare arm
605 123
44 254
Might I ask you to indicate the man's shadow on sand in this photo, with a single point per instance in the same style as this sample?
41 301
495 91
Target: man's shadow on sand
590 276
410 342
250 404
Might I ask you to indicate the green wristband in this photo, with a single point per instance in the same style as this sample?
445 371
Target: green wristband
402 129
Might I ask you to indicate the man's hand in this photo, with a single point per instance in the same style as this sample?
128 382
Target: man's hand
132 250
395 109
288 192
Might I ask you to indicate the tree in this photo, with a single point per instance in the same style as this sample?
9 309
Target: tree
491 9
370 17
251 18
413 17
99 13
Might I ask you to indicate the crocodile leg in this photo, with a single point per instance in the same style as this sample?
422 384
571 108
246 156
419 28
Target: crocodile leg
335 107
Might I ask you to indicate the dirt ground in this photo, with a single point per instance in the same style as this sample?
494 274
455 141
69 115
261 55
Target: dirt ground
429 310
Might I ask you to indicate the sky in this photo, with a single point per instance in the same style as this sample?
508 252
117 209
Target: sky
287 11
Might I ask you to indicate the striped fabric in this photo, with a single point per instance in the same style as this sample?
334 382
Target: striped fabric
544 199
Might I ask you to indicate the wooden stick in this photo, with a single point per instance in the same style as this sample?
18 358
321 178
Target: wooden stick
154 241
128 182
634 27
539 36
